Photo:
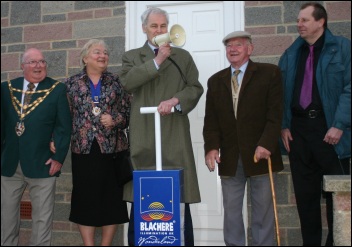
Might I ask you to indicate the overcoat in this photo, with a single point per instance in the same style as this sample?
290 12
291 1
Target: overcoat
50 118
149 87
258 123
333 77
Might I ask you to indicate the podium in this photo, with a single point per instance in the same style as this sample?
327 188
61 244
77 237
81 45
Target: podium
157 216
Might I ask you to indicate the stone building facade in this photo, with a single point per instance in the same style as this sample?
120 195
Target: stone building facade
61 28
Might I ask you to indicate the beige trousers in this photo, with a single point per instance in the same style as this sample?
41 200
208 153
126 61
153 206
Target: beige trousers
42 194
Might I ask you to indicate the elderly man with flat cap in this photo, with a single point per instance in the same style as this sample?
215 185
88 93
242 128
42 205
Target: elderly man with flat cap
244 107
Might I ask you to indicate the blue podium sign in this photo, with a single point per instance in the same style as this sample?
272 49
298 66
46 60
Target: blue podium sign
157 218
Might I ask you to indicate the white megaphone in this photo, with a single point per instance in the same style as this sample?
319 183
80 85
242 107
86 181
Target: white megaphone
176 36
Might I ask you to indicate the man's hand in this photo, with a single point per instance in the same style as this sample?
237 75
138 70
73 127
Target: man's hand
210 158
286 137
163 53
55 166
333 136
261 153
165 107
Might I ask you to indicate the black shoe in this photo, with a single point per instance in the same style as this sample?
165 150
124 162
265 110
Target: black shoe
329 240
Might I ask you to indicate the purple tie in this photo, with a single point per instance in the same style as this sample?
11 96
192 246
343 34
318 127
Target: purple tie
306 90
156 51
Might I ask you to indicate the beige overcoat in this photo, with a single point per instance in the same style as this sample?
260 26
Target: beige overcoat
149 87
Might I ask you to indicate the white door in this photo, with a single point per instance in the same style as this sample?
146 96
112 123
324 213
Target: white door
205 23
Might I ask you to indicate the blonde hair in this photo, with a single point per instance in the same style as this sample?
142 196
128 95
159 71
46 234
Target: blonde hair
87 46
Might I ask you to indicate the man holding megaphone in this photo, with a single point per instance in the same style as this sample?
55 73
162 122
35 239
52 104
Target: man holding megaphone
167 78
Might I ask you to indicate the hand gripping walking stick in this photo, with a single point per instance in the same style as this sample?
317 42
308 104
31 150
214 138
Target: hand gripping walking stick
274 199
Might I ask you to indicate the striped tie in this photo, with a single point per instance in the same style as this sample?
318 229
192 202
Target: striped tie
235 80
235 85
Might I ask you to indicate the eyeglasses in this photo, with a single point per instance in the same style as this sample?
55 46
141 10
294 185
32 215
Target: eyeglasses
35 63
96 52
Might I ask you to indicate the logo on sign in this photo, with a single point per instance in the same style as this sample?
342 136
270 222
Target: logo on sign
156 211
156 201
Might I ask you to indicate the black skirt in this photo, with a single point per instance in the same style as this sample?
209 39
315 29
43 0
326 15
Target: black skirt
96 196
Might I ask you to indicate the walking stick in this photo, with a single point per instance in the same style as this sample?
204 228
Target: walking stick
274 199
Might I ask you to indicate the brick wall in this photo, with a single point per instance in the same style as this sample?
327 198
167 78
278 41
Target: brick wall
273 25
60 29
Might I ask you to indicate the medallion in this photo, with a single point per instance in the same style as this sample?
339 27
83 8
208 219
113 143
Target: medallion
19 128
96 111
23 110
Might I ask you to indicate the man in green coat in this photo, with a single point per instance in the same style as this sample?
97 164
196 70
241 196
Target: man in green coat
30 118
155 80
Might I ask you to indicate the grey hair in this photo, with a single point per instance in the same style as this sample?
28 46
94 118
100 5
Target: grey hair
153 10
25 54
87 46
249 41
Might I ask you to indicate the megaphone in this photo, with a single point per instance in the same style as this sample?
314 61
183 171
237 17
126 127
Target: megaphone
176 36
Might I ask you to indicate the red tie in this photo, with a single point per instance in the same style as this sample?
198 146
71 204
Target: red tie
306 90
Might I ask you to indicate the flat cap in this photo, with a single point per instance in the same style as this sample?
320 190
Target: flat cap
236 34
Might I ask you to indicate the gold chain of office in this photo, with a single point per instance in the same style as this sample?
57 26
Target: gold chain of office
31 107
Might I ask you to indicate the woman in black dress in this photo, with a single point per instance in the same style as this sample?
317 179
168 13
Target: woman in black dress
100 112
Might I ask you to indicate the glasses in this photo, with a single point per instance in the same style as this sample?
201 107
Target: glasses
35 63
96 52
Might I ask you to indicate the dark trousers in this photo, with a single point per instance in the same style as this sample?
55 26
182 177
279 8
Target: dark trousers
188 227
310 159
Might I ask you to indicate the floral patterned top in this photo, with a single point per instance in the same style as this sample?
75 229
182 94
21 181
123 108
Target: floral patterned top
86 126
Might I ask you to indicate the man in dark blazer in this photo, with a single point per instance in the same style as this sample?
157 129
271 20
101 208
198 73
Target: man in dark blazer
26 130
242 120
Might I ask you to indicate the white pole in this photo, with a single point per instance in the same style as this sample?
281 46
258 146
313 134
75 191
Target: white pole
158 141
147 110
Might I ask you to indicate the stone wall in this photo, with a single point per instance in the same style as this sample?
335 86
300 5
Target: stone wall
61 28
340 185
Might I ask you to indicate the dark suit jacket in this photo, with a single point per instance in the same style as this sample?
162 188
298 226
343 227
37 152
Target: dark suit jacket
31 149
258 123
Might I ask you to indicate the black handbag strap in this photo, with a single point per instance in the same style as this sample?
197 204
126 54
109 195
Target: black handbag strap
128 136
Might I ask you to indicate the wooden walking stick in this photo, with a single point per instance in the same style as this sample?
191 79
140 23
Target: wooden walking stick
274 199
